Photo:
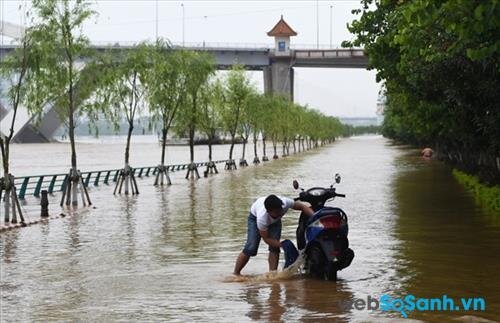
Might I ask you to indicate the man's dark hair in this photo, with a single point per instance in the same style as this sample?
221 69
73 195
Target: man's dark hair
272 202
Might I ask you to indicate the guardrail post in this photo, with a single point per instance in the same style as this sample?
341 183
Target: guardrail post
96 182
38 187
115 178
106 178
24 185
140 172
147 171
45 205
51 185
63 185
87 180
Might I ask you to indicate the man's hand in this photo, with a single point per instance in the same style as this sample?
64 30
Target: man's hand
299 206
270 241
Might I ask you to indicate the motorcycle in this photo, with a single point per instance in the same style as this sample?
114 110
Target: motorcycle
323 237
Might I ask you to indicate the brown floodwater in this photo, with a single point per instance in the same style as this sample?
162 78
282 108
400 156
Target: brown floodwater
168 254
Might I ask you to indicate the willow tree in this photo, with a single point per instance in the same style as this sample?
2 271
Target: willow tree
166 92
198 68
212 99
121 96
255 115
237 90
247 121
297 117
60 79
267 105
271 124
16 68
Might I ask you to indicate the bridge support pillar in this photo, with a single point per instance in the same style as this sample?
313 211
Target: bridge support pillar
279 77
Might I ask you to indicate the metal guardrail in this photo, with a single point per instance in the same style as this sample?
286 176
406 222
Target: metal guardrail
33 185
214 45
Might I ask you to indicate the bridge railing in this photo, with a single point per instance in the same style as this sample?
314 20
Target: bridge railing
329 53
33 185
213 45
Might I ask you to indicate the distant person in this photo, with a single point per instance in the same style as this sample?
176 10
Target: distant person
427 152
264 221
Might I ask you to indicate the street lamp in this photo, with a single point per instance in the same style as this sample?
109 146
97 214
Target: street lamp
331 32
156 21
183 27
204 27
317 24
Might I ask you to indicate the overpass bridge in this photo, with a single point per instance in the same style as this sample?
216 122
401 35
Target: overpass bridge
276 62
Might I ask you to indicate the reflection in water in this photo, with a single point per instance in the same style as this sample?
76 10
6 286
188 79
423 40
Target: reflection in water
300 299
449 246
166 254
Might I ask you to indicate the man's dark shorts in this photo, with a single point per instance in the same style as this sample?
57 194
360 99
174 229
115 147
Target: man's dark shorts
253 236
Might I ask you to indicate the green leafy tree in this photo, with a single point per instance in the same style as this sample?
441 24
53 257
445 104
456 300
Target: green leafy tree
247 122
211 103
439 63
256 121
16 68
237 90
166 93
121 96
198 68
59 78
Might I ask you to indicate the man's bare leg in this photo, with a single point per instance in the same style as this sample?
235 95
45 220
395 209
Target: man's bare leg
241 261
273 259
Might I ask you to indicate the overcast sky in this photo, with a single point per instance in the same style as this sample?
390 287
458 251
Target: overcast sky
338 92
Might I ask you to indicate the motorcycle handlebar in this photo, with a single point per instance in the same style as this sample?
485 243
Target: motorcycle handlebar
333 193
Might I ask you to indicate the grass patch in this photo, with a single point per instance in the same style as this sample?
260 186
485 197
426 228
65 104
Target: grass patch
489 196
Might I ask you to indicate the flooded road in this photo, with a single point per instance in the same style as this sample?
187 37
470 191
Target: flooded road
168 253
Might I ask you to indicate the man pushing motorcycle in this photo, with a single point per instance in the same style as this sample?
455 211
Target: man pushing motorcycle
264 221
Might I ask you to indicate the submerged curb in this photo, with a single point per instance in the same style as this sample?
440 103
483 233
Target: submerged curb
12 226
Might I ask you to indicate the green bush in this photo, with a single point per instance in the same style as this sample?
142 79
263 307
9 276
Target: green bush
489 196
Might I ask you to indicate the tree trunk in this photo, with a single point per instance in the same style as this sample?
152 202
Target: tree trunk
210 149
192 128
164 144
263 146
255 145
244 149
231 149
74 169
127 147
5 155
191 144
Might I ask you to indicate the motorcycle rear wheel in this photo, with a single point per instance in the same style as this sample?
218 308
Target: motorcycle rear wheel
331 274
316 262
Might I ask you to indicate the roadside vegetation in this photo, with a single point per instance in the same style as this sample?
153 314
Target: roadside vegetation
439 64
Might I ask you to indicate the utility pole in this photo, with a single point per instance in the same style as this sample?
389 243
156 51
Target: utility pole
156 26
317 24
183 23
331 30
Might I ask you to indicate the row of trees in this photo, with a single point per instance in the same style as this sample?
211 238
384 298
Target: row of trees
439 61
178 89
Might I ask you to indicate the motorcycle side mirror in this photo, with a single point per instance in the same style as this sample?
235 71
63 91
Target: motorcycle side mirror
295 184
337 178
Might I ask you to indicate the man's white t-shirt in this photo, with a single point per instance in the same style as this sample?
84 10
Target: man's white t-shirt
264 220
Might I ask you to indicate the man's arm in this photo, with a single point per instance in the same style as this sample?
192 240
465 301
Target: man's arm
299 206
270 241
